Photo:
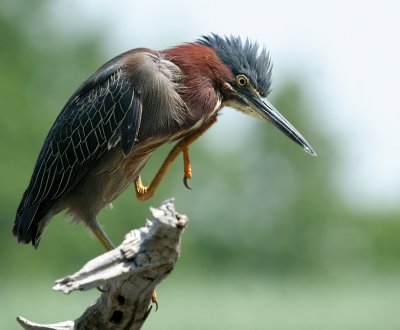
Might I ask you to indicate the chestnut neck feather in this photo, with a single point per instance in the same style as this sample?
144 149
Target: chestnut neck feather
204 76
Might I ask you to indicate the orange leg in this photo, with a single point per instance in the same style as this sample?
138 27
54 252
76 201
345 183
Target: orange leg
143 193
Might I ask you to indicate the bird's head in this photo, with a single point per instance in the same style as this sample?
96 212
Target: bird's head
247 92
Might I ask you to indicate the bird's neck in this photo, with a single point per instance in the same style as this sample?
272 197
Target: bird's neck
204 75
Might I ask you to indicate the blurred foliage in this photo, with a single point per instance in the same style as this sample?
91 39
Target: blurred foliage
264 207
266 200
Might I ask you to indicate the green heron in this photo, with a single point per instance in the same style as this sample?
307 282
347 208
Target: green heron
128 108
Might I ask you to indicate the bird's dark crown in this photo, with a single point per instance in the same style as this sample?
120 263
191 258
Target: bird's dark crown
243 58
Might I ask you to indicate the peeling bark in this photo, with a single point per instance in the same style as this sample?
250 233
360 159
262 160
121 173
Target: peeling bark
127 275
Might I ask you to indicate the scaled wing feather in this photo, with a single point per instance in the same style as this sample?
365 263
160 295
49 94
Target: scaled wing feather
90 121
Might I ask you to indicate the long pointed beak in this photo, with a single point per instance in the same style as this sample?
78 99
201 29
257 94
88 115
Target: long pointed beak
267 112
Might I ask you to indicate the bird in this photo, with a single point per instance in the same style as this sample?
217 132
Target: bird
133 104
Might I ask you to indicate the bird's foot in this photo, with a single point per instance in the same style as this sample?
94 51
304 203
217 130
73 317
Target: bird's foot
154 299
187 166
141 190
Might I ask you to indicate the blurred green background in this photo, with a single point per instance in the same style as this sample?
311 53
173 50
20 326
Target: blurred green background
272 244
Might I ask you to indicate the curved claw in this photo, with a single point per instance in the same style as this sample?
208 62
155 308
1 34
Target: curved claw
99 288
185 182
154 300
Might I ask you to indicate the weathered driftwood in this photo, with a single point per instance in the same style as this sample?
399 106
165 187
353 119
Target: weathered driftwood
127 275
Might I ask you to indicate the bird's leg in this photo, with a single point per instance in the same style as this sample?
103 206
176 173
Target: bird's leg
187 167
94 226
143 193
100 234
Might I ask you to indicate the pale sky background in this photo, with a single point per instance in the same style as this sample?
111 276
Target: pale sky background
348 53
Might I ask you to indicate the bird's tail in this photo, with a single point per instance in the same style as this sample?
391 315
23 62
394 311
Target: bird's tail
26 227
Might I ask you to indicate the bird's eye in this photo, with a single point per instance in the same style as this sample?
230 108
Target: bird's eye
241 81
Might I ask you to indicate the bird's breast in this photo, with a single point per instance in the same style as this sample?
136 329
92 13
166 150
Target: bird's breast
205 117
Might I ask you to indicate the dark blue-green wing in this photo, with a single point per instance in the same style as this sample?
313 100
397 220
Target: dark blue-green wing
103 111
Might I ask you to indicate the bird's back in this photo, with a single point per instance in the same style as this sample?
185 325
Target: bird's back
105 113
79 137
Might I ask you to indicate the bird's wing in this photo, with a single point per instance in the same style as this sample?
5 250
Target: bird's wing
106 109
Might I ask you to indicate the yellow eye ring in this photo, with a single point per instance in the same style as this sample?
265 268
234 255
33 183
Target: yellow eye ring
242 81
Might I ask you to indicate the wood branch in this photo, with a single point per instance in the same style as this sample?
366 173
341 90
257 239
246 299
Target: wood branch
126 275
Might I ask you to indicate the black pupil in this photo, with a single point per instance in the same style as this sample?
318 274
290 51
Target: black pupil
242 81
